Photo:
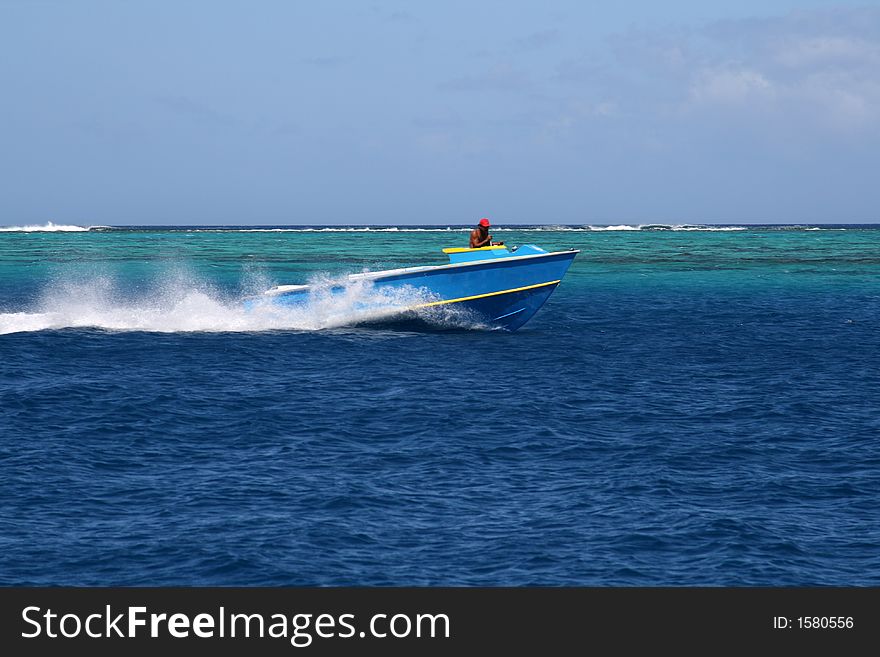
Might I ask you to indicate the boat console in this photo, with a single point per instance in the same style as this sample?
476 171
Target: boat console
458 255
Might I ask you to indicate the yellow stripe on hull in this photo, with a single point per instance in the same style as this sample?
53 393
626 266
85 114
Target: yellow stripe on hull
489 294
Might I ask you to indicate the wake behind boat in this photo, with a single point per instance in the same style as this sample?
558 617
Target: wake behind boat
501 287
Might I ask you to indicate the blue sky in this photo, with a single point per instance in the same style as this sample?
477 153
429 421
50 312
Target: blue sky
439 112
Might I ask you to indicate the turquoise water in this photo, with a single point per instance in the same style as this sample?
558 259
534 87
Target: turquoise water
756 257
692 406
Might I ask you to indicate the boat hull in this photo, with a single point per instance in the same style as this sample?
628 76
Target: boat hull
508 310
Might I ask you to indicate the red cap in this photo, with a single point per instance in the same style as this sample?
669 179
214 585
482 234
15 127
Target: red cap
484 222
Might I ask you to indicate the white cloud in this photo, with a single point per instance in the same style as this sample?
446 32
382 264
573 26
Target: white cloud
731 87
841 99
818 70
823 51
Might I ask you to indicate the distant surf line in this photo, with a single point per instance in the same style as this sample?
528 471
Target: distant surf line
51 227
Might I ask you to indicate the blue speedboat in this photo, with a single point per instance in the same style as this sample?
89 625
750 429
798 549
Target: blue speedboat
493 285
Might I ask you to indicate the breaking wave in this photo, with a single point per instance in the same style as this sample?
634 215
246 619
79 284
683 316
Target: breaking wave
48 227
673 227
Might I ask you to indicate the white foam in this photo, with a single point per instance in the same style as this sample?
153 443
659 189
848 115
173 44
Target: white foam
660 227
620 227
721 229
49 227
187 306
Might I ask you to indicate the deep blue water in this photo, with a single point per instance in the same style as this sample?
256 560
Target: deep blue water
688 408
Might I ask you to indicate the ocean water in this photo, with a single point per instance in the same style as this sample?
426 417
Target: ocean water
693 406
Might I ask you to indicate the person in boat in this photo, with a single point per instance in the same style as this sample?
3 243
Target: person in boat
480 235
